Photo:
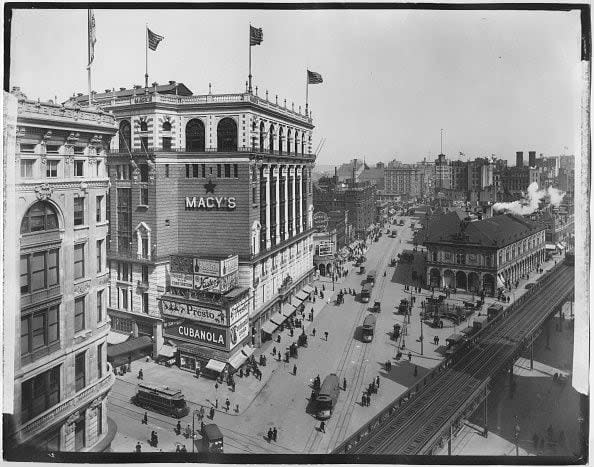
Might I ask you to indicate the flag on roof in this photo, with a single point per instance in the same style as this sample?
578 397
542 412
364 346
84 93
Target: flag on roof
92 37
153 39
314 78
256 36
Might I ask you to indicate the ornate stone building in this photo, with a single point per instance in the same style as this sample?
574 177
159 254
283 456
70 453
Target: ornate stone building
216 175
55 288
481 255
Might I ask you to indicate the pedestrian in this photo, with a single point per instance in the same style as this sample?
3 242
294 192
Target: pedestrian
156 442
313 332
138 447
326 334
145 418
212 413
294 370
344 384
177 449
216 385
273 350
269 434
183 448
416 371
178 428
409 357
236 407
188 431
363 400
377 381
227 403
323 426
216 403
140 374
368 400
274 434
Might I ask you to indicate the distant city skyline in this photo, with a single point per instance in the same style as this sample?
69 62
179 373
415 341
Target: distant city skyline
497 82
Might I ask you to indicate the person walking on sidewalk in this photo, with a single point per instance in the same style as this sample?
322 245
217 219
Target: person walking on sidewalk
138 447
377 381
145 418
227 403
326 335
294 370
344 384
274 434
178 428
269 434
323 426
313 332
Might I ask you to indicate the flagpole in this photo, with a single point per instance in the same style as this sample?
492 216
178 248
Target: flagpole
89 51
146 58
250 61
306 91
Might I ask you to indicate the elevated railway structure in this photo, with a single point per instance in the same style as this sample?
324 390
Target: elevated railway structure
427 414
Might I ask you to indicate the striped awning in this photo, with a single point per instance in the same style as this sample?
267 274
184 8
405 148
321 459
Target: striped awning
301 295
307 289
237 360
269 327
167 351
278 318
215 365
247 350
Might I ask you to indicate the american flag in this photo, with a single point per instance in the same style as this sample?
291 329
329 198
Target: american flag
92 37
256 36
314 78
153 39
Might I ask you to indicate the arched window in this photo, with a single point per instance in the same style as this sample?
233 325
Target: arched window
289 141
227 135
296 144
195 141
271 138
143 125
302 143
262 131
125 136
41 216
280 140
166 126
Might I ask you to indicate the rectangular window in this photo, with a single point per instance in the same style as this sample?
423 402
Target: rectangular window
167 170
79 168
235 171
99 255
51 169
79 371
99 363
79 261
40 393
254 199
99 306
124 219
98 208
38 271
145 274
203 170
144 143
53 276
166 143
79 314
79 211
27 168
99 414
218 170
39 329
124 299
145 303
79 434
195 170
187 170
227 170
25 282
97 168
144 196
144 173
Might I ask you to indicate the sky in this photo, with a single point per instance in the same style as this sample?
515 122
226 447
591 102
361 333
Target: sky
496 82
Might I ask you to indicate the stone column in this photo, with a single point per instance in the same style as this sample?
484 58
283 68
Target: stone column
299 179
286 207
276 180
267 175
293 210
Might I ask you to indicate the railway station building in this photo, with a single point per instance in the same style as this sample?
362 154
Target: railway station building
204 180
56 275
481 255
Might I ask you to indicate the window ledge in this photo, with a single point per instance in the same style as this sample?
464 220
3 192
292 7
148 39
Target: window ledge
102 223
81 227
143 206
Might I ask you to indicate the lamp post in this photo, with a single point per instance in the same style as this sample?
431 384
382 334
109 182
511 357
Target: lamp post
421 316
194 413
517 435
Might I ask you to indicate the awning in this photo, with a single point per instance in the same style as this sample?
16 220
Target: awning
129 347
237 360
307 289
455 338
215 365
269 327
301 295
278 318
117 337
500 283
550 246
167 351
248 351
468 330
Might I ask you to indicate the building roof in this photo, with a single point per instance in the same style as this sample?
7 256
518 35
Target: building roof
172 87
496 231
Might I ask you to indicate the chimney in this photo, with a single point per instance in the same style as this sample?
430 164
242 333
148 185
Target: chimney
79 94
155 84
172 82
519 159
107 91
531 158
137 86
122 89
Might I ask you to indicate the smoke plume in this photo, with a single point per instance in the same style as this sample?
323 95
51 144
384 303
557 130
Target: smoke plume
531 200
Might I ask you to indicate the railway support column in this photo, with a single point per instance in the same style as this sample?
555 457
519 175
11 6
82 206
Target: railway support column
486 425
532 355
450 442
548 334
511 380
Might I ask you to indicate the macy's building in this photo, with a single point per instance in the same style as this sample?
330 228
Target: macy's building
198 181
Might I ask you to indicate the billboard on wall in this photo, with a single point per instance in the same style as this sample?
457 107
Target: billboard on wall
320 221
229 265
181 264
195 312
207 267
196 332
238 332
215 284
239 310
180 279
204 266
325 248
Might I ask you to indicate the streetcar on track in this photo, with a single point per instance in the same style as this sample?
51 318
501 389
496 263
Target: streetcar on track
366 292
494 311
368 328
371 276
327 396
162 399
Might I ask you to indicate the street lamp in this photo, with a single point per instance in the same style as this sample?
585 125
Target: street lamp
421 316
194 413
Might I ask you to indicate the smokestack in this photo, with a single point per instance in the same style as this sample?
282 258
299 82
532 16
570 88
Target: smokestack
532 158
335 175
519 159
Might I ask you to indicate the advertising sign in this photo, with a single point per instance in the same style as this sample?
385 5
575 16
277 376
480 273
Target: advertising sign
320 221
239 332
215 284
207 267
197 333
179 279
230 265
198 313
326 248
183 264
238 311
